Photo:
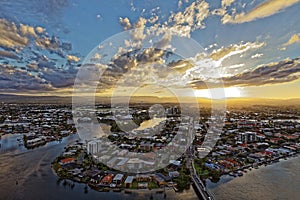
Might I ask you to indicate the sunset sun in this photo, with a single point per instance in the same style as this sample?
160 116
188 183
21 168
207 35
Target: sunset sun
219 93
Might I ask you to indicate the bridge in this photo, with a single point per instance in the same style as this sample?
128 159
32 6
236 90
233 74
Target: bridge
198 185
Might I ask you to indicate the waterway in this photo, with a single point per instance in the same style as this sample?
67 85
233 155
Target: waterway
277 181
150 123
27 174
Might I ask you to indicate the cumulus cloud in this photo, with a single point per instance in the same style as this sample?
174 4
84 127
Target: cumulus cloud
263 10
153 19
125 23
47 43
24 38
10 36
39 30
72 58
138 34
294 39
190 19
181 23
27 30
226 3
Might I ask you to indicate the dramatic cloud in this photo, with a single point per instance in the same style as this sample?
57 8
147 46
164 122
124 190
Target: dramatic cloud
24 39
277 72
265 9
12 79
40 55
10 36
294 39
16 37
152 67
226 52
59 78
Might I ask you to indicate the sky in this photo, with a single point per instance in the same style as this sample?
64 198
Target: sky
243 48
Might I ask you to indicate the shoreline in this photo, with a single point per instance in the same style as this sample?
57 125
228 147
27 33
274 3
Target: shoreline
266 182
122 189
127 191
226 178
270 162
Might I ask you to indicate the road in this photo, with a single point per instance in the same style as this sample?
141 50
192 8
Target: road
200 188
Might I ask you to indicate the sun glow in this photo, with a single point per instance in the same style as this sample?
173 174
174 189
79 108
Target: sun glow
219 93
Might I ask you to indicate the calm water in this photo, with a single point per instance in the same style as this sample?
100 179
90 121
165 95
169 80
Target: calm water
31 169
150 123
278 181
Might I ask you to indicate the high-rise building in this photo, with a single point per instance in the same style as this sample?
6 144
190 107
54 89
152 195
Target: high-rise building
92 147
247 137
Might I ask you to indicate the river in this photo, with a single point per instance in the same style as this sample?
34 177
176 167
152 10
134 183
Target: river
150 123
27 174
277 181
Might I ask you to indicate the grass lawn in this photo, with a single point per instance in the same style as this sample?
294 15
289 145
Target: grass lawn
134 185
152 185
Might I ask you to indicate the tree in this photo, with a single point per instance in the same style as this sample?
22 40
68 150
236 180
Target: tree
215 174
